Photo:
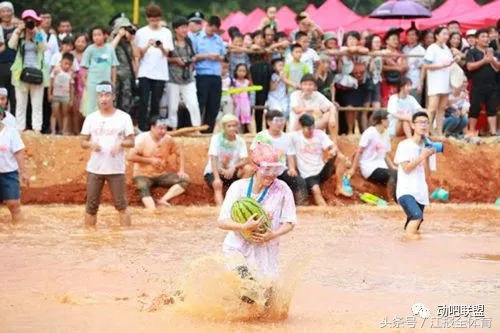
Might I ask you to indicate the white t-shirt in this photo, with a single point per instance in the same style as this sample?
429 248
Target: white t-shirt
228 153
414 63
62 83
9 120
261 259
56 61
412 183
309 152
438 81
376 145
10 143
154 64
107 131
317 100
309 57
401 106
283 143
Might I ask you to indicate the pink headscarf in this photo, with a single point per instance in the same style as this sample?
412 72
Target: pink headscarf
265 153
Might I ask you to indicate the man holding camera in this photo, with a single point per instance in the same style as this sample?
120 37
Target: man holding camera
182 82
154 42
127 54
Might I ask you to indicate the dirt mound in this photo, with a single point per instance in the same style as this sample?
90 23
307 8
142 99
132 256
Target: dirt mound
471 173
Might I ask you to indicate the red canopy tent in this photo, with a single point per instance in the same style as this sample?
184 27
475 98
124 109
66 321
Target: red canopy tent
286 19
311 10
448 11
227 20
482 17
334 14
233 19
252 21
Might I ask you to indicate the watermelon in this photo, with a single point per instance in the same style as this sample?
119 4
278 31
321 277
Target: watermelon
241 211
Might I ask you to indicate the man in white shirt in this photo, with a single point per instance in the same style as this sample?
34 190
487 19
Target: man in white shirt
106 132
415 63
12 168
316 159
411 189
309 101
282 143
155 43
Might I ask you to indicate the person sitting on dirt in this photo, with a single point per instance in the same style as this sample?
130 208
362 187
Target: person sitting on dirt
11 168
8 118
283 144
372 154
227 158
151 164
311 147
309 101
401 107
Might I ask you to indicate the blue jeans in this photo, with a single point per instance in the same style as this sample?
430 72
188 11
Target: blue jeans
412 208
454 124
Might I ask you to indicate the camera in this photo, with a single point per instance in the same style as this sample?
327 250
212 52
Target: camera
131 30
187 62
29 24
158 43
438 146
186 73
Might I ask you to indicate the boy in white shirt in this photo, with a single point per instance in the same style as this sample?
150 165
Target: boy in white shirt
411 190
316 159
106 132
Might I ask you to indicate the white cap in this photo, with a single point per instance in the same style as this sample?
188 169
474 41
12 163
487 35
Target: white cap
6 4
471 32
3 92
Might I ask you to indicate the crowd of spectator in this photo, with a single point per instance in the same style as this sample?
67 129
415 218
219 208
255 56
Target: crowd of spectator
51 78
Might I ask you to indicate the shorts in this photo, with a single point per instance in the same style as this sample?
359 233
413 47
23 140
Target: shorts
413 209
382 175
327 171
144 183
95 183
373 92
488 96
209 179
9 186
60 100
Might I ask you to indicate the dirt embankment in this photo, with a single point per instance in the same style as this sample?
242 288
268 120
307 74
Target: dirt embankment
471 173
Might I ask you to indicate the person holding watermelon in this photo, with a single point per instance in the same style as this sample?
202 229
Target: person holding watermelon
251 247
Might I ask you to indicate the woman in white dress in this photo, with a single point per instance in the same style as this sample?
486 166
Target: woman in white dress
258 258
437 61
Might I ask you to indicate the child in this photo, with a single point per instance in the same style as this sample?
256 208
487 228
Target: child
331 44
242 107
61 94
67 46
238 54
309 56
226 101
456 115
278 98
294 70
411 189
401 107
8 119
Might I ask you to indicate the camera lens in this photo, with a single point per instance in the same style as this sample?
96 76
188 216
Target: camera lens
29 24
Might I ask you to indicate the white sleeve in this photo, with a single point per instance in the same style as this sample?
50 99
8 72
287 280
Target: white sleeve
54 60
243 152
315 56
232 195
366 137
288 211
290 149
324 103
86 126
414 104
16 142
295 99
2 40
430 54
139 40
213 150
325 140
401 153
169 43
392 104
129 126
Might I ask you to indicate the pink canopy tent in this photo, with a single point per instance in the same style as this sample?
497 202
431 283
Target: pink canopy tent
311 10
448 11
252 21
483 16
334 14
233 19
286 19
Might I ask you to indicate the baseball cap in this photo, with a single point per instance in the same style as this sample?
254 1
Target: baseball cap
228 118
31 14
471 32
3 91
329 36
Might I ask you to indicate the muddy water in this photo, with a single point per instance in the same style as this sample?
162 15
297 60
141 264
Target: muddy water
350 266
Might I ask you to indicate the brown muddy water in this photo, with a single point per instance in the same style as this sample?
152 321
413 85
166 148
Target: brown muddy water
344 269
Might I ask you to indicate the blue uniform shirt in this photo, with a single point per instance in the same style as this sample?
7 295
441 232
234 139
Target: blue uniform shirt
204 44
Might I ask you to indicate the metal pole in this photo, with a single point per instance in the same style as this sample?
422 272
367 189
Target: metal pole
135 12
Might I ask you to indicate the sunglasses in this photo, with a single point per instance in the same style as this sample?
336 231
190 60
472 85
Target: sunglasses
279 120
104 88
271 169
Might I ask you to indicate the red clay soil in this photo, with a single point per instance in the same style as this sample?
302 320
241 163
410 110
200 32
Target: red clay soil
471 173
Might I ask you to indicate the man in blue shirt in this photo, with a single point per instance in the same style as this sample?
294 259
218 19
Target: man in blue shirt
210 52
195 22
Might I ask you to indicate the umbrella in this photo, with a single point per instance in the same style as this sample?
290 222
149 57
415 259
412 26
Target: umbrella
400 10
